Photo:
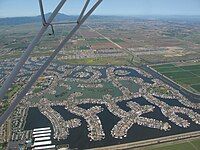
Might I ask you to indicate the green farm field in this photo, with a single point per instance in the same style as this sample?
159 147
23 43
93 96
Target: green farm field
185 145
185 75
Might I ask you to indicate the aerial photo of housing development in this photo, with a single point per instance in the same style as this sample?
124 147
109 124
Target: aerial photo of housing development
120 82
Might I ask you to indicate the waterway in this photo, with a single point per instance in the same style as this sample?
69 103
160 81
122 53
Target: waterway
78 136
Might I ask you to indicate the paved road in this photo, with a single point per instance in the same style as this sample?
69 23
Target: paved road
188 94
145 143
105 37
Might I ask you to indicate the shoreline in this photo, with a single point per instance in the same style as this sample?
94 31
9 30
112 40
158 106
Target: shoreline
150 142
182 87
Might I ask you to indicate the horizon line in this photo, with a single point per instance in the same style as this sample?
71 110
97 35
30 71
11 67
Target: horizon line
107 15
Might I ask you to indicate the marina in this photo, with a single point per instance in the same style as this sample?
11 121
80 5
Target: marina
104 105
108 121
116 82
45 147
42 139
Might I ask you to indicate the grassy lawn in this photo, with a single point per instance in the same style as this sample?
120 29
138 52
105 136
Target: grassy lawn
2 146
12 55
160 89
99 92
8 96
187 76
37 90
100 61
132 86
12 91
62 93
4 107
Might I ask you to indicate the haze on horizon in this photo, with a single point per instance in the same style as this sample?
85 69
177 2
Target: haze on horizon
10 8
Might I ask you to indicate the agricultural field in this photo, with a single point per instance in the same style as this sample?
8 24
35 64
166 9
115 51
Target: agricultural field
185 75
188 145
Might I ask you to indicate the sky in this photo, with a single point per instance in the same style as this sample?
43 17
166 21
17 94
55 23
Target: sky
13 8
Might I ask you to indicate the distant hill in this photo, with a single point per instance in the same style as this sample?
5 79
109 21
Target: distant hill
33 19
64 17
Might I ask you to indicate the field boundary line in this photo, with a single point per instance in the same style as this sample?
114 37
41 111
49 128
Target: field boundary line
174 82
105 37
179 71
190 72
193 145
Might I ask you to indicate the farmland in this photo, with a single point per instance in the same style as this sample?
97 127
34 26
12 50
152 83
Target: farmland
84 75
189 145
185 75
